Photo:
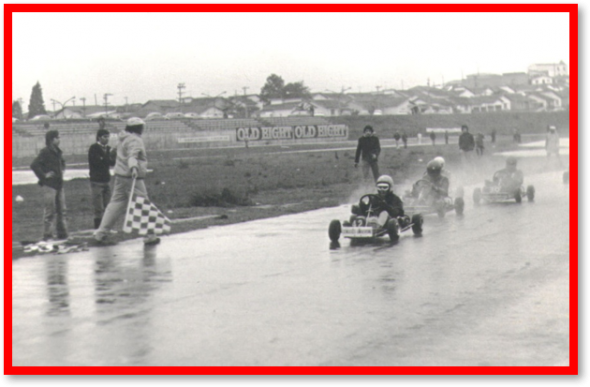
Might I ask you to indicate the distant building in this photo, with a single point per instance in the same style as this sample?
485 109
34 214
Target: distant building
549 69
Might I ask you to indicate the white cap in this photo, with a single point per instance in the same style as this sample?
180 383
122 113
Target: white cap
135 121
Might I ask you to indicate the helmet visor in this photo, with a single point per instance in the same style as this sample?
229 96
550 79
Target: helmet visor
382 187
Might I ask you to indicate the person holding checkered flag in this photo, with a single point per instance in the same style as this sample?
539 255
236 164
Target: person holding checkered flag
130 171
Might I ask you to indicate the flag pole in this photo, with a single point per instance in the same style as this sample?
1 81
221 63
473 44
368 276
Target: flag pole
129 206
131 194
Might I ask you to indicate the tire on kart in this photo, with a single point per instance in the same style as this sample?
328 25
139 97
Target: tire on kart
477 196
459 206
334 230
393 229
417 221
530 193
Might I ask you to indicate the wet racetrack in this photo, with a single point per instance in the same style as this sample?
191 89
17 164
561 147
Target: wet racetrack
488 288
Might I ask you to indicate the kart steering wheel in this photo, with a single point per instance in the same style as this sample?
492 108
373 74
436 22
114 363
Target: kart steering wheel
370 201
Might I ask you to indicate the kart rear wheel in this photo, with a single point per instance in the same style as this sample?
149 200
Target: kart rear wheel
530 193
459 206
477 196
518 196
334 230
417 221
393 229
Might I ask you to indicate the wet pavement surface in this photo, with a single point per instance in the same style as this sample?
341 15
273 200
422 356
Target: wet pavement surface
489 288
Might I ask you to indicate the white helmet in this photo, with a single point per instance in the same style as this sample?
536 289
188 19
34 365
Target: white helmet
441 160
384 180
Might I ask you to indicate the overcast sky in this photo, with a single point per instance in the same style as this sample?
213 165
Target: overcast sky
145 56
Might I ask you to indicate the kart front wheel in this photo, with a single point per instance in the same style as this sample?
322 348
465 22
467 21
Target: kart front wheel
334 230
477 196
518 196
530 193
393 230
417 221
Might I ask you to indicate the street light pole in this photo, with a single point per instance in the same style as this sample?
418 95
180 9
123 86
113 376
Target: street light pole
106 102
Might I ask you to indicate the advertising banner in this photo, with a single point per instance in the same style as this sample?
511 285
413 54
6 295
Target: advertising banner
265 133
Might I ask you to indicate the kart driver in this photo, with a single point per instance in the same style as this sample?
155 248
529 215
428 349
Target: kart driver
438 192
390 206
509 178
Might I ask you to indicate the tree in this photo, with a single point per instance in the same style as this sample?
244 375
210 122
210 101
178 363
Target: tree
273 88
296 90
17 111
36 104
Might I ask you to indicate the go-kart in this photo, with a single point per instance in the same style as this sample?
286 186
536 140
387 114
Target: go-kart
357 228
500 190
424 200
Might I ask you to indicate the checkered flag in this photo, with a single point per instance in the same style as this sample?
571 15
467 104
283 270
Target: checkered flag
144 217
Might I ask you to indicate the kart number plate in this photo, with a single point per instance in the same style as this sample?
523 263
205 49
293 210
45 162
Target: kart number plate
357 232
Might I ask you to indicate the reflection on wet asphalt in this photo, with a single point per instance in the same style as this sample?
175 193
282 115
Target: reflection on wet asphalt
488 288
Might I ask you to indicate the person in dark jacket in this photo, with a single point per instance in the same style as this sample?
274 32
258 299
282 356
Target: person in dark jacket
405 139
49 166
99 162
369 147
466 144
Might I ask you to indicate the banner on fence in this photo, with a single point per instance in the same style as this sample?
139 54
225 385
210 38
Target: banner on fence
202 139
291 132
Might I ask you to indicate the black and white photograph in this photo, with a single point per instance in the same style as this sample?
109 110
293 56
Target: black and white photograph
228 188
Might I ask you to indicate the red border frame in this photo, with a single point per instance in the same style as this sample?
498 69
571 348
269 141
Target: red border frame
572 369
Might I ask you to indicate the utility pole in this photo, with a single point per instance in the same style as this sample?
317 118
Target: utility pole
83 106
106 102
180 87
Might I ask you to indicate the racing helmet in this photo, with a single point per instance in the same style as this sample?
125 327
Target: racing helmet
384 184
433 168
511 161
441 160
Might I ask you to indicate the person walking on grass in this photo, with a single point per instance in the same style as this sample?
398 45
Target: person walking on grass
100 160
49 167
396 136
369 147
130 166
433 137
405 139
479 147
467 145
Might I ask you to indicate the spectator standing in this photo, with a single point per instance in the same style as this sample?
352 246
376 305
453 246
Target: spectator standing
517 136
396 136
552 143
466 144
419 138
130 165
405 139
370 148
479 147
493 135
446 137
433 137
99 162
49 167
